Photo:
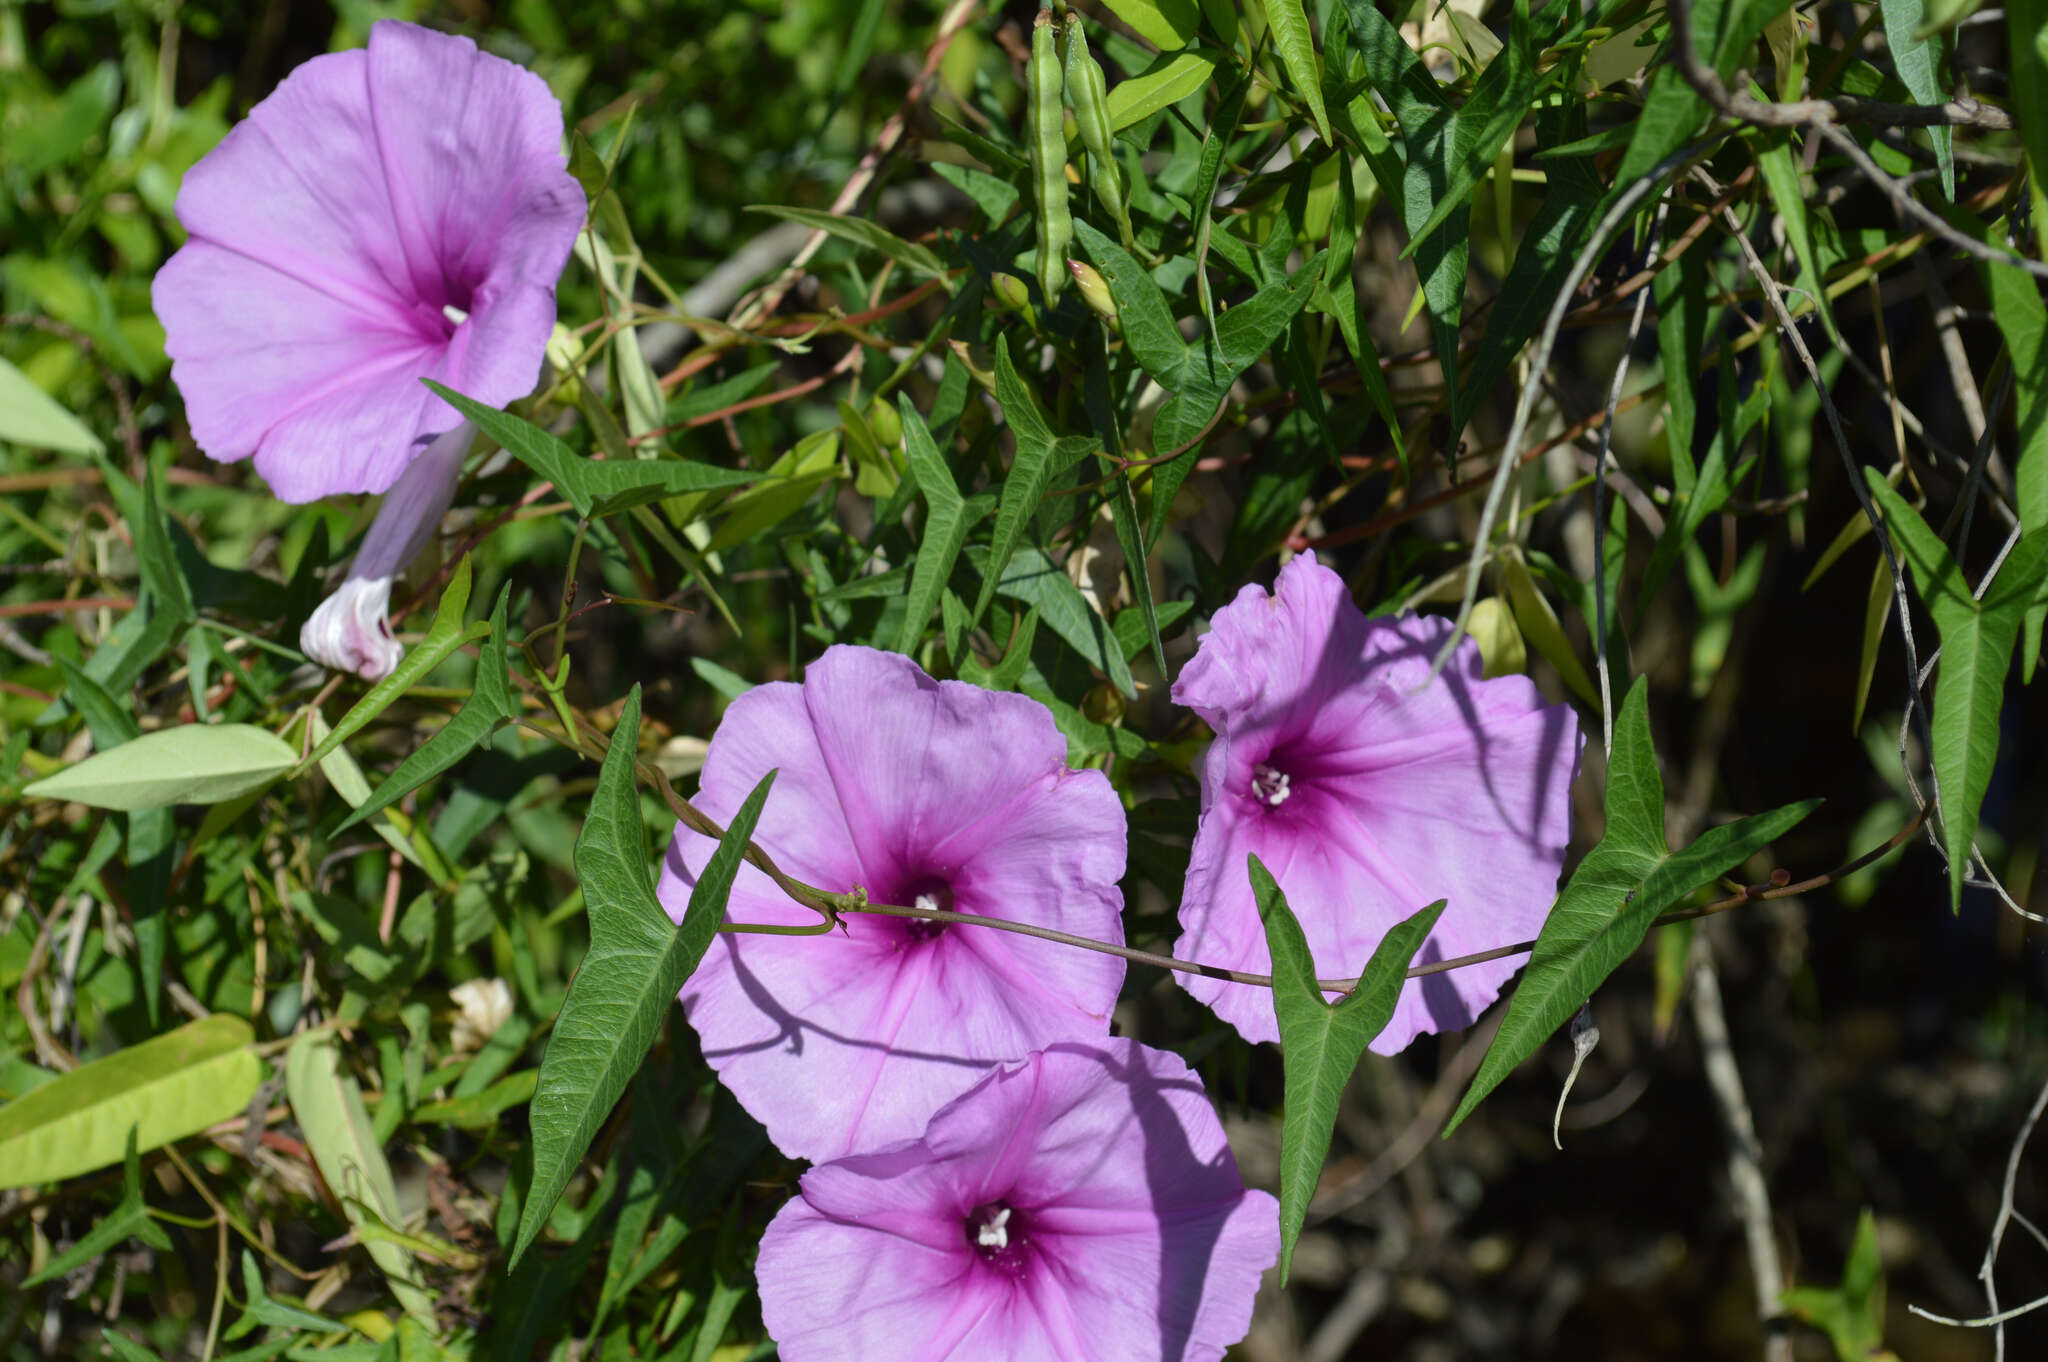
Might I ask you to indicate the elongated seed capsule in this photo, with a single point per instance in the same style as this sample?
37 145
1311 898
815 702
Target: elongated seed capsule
1049 158
1088 92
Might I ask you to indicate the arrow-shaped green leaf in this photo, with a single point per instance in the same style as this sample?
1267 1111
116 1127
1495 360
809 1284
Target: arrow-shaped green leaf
1614 896
1320 1042
625 986
1977 639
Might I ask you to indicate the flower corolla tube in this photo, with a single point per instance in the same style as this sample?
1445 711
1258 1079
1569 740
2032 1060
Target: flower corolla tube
1080 1204
1370 790
387 214
919 793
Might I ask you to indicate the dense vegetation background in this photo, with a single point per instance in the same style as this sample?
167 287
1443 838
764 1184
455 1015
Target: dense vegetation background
1889 1048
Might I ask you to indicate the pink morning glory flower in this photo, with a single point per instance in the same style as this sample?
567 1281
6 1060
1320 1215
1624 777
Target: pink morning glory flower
385 215
1080 1204
1370 790
921 793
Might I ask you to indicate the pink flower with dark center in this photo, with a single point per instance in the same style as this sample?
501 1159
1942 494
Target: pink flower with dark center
922 793
1370 790
385 215
1080 1204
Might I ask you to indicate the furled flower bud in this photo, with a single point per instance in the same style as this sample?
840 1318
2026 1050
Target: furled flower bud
1094 290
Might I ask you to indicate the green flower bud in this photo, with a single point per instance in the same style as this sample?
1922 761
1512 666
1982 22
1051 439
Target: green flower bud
1094 290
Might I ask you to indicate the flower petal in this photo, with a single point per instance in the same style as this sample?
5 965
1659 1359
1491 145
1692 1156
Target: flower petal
253 348
384 216
903 786
1137 1239
1402 789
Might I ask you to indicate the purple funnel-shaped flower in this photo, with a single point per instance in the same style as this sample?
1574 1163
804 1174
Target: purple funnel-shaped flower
1370 791
922 793
1080 1204
385 215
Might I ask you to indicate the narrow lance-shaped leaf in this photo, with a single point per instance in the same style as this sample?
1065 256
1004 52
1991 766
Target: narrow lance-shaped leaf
151 833
1030 470
164 1089
1320 1042
329 1109
444 636
488 707
861 232
1918 60
29 416
638 960
189 764
595 487
1614 896
2023 321
1977 639
1165 82
947 519
1297 49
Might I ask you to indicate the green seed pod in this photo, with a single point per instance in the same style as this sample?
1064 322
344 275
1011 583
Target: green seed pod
1094 290
1048 158
1088 92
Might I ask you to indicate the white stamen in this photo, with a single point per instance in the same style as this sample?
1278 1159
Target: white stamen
1269 786
926 902
993 1233
454 314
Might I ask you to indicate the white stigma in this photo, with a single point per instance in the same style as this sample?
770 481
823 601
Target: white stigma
454 314
1269 786
926 902
994 1232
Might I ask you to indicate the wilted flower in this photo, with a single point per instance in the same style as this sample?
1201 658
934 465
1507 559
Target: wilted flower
384 215
1369 790
922 793
482 1006
1080 1204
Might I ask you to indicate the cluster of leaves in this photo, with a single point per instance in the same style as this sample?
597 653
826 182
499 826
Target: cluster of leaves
930 446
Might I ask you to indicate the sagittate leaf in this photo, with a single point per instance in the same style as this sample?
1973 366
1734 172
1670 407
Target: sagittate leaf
595 487
329 1109
638 960
189 764
1032 467
1614 896
29 416
1852 1314
444 636
1198 375
1320 1042
128 1220
164 1089
1977 639
947 520
488 707
1037 581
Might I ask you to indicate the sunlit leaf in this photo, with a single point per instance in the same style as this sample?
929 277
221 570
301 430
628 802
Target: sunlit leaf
627 983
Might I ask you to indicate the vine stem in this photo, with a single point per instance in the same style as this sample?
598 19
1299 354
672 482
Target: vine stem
834 905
